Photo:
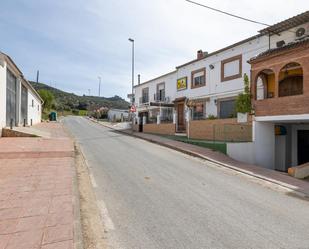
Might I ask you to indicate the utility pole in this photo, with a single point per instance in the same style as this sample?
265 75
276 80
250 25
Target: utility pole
37 76
88 92
99 77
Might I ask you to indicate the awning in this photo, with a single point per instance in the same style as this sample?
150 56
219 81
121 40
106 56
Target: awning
161 104
196 101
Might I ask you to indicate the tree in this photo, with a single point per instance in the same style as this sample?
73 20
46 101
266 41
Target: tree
243 101
48 99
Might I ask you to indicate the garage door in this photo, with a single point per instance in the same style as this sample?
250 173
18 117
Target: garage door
10 98
24 104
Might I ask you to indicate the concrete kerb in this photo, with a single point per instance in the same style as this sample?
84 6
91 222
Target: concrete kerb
78 237
195 154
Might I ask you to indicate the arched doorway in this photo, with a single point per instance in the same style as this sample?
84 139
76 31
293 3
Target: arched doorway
265 84
291 80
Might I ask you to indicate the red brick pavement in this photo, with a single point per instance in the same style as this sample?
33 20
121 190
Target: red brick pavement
36 192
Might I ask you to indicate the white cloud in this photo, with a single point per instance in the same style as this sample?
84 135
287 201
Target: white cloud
74 41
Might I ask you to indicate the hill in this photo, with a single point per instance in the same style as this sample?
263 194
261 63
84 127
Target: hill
70 101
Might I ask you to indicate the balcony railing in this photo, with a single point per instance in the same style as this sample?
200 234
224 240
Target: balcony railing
144 100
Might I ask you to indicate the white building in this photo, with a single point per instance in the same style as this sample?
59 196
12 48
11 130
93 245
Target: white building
207 87
213 79
19 103
116 115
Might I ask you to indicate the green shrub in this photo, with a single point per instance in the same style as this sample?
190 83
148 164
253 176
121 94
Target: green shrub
243 101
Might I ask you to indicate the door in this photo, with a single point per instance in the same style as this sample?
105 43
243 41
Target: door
24 105
180 115
303 146
10 99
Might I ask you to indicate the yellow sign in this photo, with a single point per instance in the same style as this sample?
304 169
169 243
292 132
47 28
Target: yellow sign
182 83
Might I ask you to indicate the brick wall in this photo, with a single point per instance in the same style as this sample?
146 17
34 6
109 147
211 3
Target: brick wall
298 104
163 129
12 133
220 130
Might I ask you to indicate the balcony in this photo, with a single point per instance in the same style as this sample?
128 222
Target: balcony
159 96
144 100
289 105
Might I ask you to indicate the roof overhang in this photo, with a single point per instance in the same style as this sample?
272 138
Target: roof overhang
286 24
299 118
159 104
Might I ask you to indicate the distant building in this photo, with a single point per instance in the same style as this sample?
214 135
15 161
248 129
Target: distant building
117 115
19 103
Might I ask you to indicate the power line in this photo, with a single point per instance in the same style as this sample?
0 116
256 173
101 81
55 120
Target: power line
229 14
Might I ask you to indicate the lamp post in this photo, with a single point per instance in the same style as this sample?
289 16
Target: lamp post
132 41
99 77
132 98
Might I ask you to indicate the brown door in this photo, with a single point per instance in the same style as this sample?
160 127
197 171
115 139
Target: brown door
180 114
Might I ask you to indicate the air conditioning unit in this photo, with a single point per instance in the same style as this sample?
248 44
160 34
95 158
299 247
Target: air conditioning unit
280 44
301 33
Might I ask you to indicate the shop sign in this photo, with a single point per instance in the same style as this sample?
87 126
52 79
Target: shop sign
182 83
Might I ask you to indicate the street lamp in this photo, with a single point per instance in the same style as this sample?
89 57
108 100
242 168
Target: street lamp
99 77
132 41
132 98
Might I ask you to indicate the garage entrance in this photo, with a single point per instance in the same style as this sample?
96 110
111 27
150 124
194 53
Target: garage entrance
11 90
24 105
303 146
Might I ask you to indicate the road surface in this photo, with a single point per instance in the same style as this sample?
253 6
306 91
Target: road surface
154 197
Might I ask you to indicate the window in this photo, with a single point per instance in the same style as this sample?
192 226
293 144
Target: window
198 78
227 108
167 115
231 68
38 107
198 111
145 95
160 96
32 103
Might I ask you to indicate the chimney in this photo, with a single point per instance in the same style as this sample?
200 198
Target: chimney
139 79
200 54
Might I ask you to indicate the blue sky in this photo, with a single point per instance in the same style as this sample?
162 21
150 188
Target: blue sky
72 42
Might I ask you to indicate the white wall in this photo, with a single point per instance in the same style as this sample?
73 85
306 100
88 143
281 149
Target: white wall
264 144
170 88
2 93
35 110
113 113
214 88
243 152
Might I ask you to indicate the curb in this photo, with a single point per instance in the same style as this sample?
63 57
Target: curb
195 154
77 226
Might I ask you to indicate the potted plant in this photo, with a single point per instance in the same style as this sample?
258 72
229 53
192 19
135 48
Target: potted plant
243 102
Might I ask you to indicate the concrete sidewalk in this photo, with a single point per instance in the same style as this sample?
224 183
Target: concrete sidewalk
37 195
300 187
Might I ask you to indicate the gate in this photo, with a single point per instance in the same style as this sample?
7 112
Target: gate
10 98
24 105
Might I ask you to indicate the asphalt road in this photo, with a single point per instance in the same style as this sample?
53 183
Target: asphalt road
154 197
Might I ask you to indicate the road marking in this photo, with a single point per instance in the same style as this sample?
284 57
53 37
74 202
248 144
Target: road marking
93 181
107 221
